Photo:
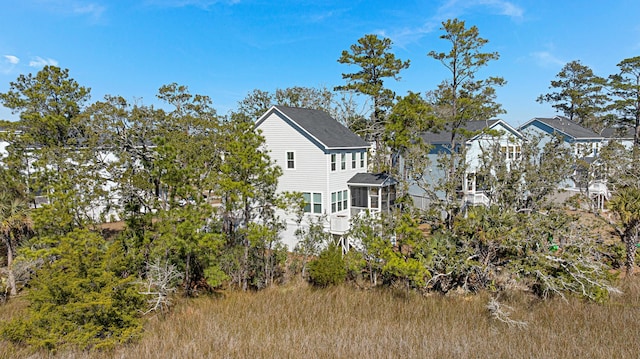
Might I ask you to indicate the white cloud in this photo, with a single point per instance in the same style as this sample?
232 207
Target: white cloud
204 4
12 59
40 62
451 9
91 9
8 64
505 8
545 58
402 37
454 8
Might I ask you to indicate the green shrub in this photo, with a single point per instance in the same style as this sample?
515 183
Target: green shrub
79 298
329 268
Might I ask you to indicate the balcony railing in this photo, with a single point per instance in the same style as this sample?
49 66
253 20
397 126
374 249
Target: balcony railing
476 199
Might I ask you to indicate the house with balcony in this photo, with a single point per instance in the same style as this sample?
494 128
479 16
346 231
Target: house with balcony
473 140
327 163
585 146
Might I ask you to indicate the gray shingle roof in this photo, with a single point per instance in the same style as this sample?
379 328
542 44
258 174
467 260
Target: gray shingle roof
568 127
372 179
624 133
323 128
444 137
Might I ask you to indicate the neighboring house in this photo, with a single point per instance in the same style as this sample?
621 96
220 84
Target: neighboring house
585 146
583 141
624 136
3 143
471 191
3 149
327 163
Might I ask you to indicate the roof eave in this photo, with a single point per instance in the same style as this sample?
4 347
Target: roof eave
347 148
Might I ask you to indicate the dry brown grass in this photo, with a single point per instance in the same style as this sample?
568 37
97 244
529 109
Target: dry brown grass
301 322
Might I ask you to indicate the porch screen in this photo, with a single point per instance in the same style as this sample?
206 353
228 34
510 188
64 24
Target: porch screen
359 197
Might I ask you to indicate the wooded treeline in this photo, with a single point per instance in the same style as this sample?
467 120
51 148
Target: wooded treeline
196 191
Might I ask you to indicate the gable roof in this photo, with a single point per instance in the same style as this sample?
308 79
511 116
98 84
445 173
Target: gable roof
372 179
444 137
625 133
320 126
564 126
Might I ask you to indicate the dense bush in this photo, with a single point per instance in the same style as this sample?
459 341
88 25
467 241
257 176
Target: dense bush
79 298
329 268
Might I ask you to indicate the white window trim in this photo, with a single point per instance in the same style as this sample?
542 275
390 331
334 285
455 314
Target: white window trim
344 201
312 203
333 162
511 151
287 160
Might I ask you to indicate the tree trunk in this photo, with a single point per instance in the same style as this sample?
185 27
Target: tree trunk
187 276
11 279
246 243
631 241
245 265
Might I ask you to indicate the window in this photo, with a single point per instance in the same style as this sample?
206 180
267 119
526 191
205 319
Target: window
361 159
373 194
353 160
471 182
312 202
339 201
333 162
510 152
343 161
291 163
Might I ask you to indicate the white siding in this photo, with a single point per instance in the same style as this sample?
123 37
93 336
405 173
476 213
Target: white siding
311 167
337 180
312 172
3 149
486 142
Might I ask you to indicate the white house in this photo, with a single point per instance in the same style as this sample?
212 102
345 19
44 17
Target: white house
326 162
485 135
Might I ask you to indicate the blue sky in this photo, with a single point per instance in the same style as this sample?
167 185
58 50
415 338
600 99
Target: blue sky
225 49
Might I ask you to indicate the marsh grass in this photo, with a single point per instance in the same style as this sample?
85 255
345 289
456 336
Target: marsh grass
298 321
